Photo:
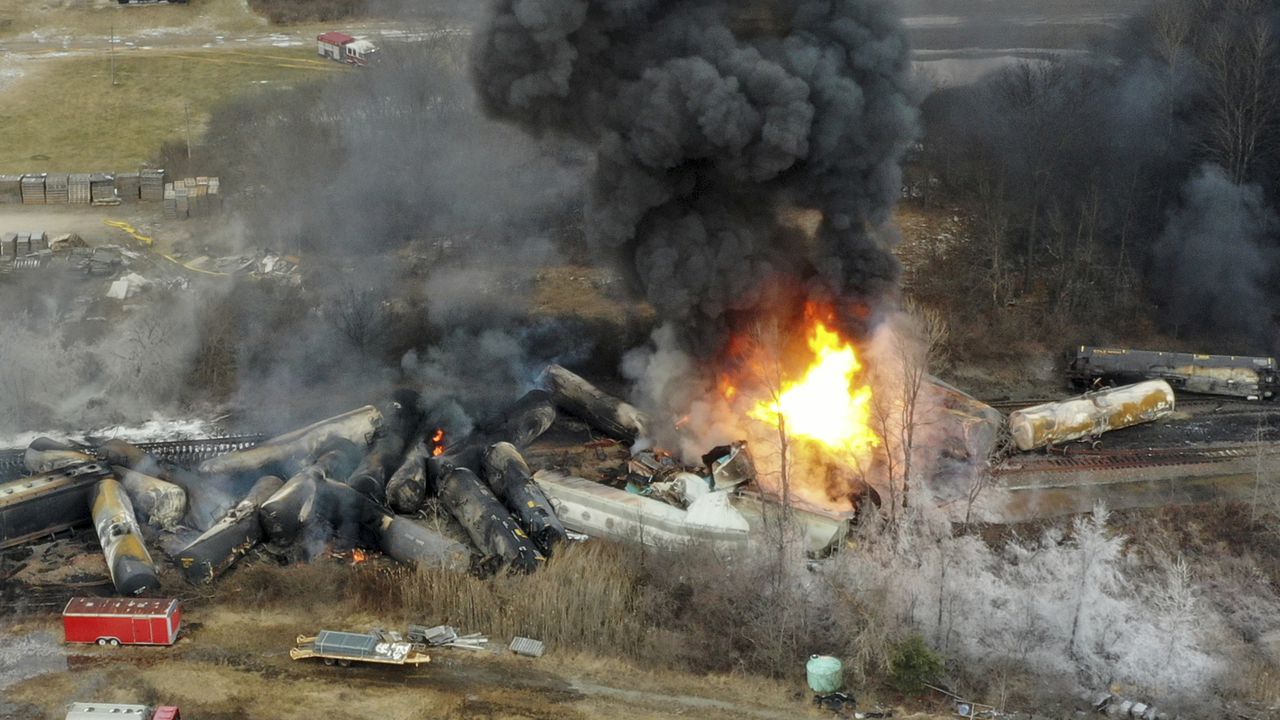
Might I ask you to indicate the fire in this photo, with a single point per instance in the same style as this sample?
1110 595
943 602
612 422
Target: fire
438 440
358 556
827 405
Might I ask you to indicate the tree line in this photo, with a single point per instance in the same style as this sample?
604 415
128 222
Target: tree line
1140 179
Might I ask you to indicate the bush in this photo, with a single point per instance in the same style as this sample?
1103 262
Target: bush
913 665
687 609
283 12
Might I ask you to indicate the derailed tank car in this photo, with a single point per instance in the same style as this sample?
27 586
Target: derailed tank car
1229 375
1090 415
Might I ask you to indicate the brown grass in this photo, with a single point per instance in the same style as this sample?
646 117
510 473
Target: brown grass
233 663
687 611
79 19
587 598
116 128
282 12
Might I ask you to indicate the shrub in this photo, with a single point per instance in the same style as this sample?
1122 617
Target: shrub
284 12
913 665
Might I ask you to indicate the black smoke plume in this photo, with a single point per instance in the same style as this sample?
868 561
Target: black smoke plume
1213 259
709 120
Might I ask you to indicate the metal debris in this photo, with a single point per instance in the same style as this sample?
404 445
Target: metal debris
445 636
527 647
835 702
730 466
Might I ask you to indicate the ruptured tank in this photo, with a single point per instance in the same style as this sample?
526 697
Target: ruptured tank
131 567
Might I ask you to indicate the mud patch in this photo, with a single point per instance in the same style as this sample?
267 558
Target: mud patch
26 656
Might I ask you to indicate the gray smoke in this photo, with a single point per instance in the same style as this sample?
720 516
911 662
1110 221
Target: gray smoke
422 225
707 120
1211 258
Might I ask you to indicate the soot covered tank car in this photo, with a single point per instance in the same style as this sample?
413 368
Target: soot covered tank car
1239 376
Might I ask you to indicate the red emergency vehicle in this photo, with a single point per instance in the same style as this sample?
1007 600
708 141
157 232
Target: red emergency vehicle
122 621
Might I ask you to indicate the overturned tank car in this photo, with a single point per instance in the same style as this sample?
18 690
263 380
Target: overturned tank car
1252 378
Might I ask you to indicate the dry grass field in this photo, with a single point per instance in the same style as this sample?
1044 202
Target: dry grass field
234 664
54 19
64 114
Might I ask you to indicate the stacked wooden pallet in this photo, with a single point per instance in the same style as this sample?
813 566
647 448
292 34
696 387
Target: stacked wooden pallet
56 189
213 193
170 202
191 197
183 198
151 185
78 189
102 189
129 186
23 243
33 189
10 189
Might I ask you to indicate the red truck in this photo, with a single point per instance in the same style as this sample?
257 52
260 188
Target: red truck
122 621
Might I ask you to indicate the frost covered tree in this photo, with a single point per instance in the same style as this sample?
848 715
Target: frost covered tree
1065 612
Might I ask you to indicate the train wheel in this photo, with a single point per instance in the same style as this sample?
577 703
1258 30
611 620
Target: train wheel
344 663
114 642
328 661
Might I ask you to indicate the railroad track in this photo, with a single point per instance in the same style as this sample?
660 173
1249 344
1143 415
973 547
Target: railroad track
48 599
181 452
1102 460
1200 402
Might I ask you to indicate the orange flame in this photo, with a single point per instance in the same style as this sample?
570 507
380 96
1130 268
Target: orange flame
827 405
727 388
438 439
358 556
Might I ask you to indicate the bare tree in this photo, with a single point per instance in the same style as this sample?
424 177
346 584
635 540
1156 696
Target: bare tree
993 225
1096 551
1038 95
361 317
898 406
1241 63
1261 476
1173 23
769 373
215 361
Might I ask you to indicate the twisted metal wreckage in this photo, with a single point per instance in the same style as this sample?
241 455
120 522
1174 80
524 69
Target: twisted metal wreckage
359 480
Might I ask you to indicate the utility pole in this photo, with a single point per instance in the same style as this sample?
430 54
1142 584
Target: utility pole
113 55
186 109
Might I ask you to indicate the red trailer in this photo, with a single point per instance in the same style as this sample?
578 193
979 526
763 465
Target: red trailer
117 621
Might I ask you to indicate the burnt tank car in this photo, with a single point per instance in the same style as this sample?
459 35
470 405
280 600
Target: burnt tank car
1239 376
